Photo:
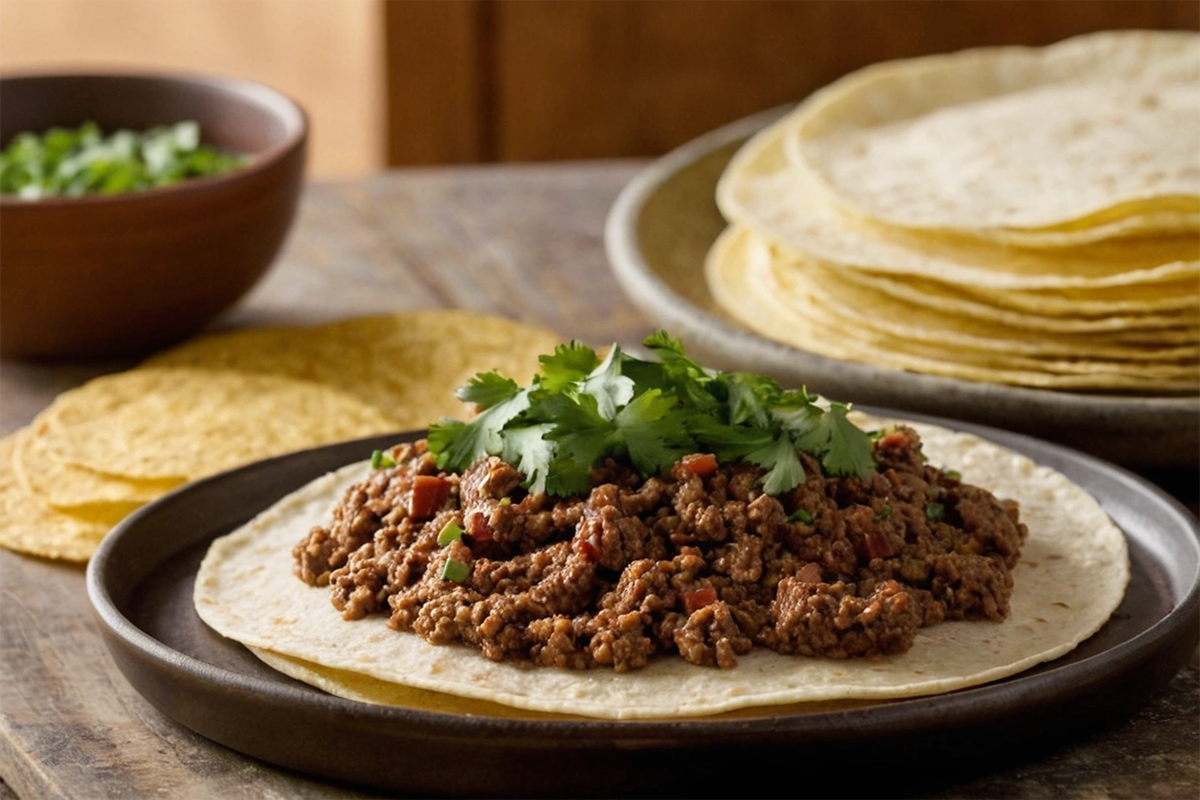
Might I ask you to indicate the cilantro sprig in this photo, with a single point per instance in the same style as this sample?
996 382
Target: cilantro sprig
580 409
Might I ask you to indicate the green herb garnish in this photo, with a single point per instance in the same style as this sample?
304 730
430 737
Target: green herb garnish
800 515
380 460
580 410
882 515
454 570
450 532
952 474
934 511
74 162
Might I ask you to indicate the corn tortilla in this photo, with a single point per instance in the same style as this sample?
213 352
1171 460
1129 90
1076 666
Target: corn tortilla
33 527
161 423
376 358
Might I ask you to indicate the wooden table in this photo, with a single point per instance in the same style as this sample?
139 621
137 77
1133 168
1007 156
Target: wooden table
524 241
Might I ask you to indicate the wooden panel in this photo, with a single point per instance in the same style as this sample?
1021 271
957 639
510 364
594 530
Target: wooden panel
438 69
621 78
554 80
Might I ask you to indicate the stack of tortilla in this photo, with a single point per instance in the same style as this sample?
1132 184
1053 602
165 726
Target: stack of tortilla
1012 215
102 450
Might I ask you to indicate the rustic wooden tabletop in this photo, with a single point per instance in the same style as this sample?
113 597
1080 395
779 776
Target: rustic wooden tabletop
523 241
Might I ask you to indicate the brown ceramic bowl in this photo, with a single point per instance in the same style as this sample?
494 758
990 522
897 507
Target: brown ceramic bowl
104 276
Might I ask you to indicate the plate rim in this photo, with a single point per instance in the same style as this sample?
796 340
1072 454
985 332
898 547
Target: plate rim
952 709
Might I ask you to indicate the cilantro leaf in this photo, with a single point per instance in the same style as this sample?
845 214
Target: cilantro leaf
578 453
653 433
456 445
527 450
581 410
842 448
784 470
569 364
487 389
749 398
727 442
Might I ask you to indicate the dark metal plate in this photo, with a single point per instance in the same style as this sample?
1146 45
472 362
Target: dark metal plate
140 585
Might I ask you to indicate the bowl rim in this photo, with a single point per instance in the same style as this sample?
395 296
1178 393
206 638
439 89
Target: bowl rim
280 105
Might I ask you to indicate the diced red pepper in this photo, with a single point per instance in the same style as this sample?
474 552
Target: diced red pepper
428 494
894 440
699 464
698 598
877 545
478 527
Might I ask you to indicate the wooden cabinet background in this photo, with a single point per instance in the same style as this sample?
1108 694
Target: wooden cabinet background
529 80
451 81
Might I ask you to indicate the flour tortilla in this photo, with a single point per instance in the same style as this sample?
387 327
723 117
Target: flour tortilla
950 143
739 272
1071 577
762 190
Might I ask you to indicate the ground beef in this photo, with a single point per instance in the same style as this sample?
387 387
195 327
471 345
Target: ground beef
705 566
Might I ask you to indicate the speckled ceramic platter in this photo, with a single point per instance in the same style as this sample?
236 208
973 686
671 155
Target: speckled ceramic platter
657 235
140 585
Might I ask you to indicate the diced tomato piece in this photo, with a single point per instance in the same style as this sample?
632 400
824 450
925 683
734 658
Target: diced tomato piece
428 494
894 440
699 464
478 527
877 545
698 598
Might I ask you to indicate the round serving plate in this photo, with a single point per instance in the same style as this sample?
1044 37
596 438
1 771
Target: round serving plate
662 225
140 585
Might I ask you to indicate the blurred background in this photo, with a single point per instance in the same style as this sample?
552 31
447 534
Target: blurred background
406 82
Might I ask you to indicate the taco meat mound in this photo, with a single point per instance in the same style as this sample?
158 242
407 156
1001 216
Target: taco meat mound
698 562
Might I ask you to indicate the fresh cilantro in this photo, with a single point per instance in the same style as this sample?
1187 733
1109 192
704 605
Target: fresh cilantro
456 445
488 389
653 432
581 409
784 470
569 363
800 515
606 383
528 451
72 162
843 448
934 511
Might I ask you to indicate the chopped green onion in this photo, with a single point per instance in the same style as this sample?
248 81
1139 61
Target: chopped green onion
455 571
934 511
800 515
952 474
450 533
379 459
882 515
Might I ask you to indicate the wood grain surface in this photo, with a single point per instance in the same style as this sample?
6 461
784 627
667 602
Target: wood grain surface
522 241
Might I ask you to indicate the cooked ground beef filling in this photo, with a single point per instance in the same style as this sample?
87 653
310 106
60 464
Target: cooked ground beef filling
698 562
